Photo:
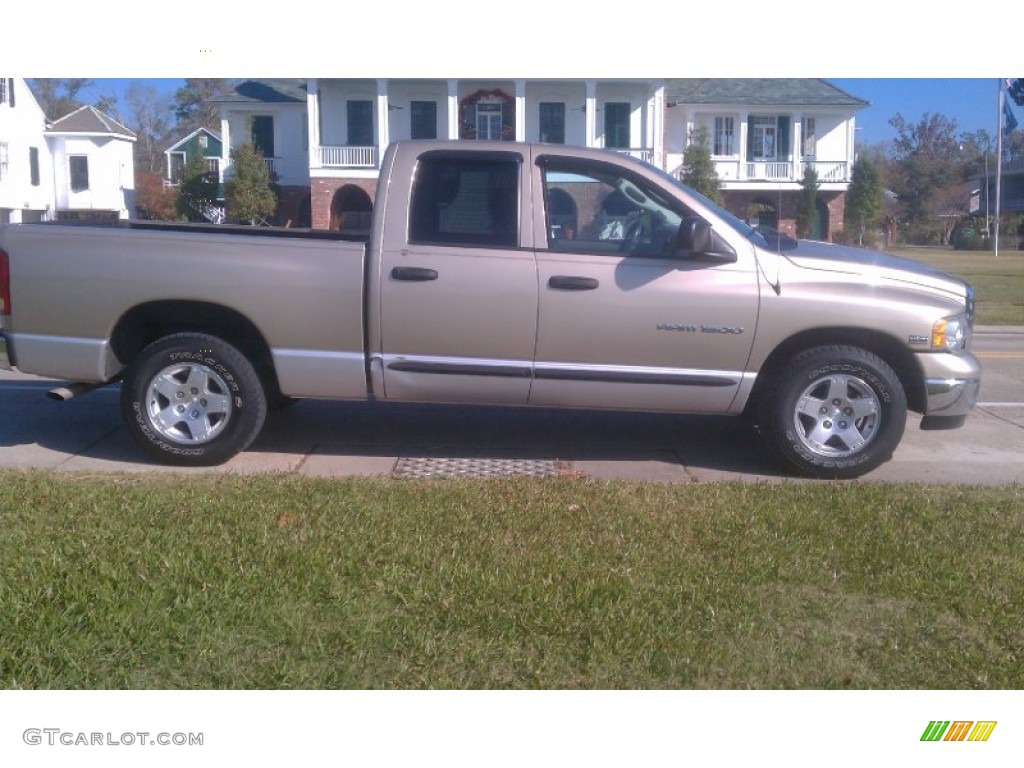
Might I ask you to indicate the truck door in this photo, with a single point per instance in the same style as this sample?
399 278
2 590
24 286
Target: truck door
626 320
458 303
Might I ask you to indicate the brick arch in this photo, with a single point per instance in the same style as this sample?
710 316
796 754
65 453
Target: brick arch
351 209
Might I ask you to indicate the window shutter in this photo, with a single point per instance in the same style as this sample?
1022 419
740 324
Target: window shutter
10 90
785 138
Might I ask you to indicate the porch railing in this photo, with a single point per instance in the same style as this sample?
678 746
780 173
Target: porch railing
640 153
828 171
348 157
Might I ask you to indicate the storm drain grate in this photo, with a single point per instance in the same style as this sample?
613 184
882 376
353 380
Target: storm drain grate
473 467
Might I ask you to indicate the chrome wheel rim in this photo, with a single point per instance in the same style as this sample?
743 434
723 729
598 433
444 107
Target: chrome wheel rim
837 416
188 404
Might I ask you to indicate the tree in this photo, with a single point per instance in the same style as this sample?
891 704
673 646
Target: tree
192 107
152 199
248 195
149 117
925 157
806 210
197 192
699 170
58 97
865 199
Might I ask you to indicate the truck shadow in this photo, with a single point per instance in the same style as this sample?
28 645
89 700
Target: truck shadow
39 432
719 443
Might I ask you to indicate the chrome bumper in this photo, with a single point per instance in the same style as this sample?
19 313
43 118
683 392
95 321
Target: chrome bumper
951 384
5 357
951 397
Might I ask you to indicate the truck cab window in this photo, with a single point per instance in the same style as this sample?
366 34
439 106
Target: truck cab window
599 209
465 201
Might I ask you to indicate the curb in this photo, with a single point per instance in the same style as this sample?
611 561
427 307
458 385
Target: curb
1006 329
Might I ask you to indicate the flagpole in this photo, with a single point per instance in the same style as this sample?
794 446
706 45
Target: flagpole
999 160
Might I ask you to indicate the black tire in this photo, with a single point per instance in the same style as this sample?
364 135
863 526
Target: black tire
193 400
834 412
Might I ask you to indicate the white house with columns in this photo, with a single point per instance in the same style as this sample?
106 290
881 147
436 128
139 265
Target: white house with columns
324 138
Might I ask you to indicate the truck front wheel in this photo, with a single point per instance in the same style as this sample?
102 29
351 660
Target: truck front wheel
193 400
834 412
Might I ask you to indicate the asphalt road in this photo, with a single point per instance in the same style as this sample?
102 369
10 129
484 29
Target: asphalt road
345 439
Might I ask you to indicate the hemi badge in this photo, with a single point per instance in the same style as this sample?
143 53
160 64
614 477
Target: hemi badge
915 339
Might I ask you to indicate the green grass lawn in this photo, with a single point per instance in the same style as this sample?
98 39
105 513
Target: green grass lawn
998 281
285 583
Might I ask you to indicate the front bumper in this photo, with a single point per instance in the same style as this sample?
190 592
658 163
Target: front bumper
951 384
6 362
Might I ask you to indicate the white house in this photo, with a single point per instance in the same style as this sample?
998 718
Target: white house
94 171
327 136
80 166
26 170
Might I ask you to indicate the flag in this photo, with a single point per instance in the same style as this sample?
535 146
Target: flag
1009 121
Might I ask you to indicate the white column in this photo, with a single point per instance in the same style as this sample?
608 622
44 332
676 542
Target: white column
798 150
744 129
658 127
383 132
453 109
520 110
225 145
591 113
313 121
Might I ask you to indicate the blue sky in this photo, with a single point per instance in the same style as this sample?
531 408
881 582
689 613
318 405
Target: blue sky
972 102
969 101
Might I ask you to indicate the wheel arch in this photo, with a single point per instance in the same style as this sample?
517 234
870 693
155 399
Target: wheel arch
145 323
895 354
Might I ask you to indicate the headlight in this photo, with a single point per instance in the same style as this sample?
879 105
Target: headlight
951 334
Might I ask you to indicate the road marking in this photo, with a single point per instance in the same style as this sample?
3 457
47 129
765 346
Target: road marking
1000 405
1001 355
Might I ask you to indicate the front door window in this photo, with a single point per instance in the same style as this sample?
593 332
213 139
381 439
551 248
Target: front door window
764 138
488 122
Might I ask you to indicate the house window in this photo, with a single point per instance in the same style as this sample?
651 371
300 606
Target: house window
33 165
3 160
552 122
263 134
7 90
360 123
204 140
177 162
616 125
463 199
213 166
725 136
763 136
488 121
424 119
808 137
79 168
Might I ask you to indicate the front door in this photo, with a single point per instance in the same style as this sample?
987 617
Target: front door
625 321
458 293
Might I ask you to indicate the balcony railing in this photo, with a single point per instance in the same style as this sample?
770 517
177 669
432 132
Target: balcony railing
828 171
775 170
348 157
647 155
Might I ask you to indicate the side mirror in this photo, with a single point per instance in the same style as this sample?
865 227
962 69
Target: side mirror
697 239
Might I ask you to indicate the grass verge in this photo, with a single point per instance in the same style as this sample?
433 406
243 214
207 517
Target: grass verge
998 282
284 583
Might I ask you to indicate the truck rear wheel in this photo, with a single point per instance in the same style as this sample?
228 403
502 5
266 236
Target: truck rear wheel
834 412
193 400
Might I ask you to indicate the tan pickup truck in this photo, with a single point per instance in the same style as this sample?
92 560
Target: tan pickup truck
496 273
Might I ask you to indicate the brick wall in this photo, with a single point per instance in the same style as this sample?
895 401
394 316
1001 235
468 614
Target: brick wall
322 197
739 201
